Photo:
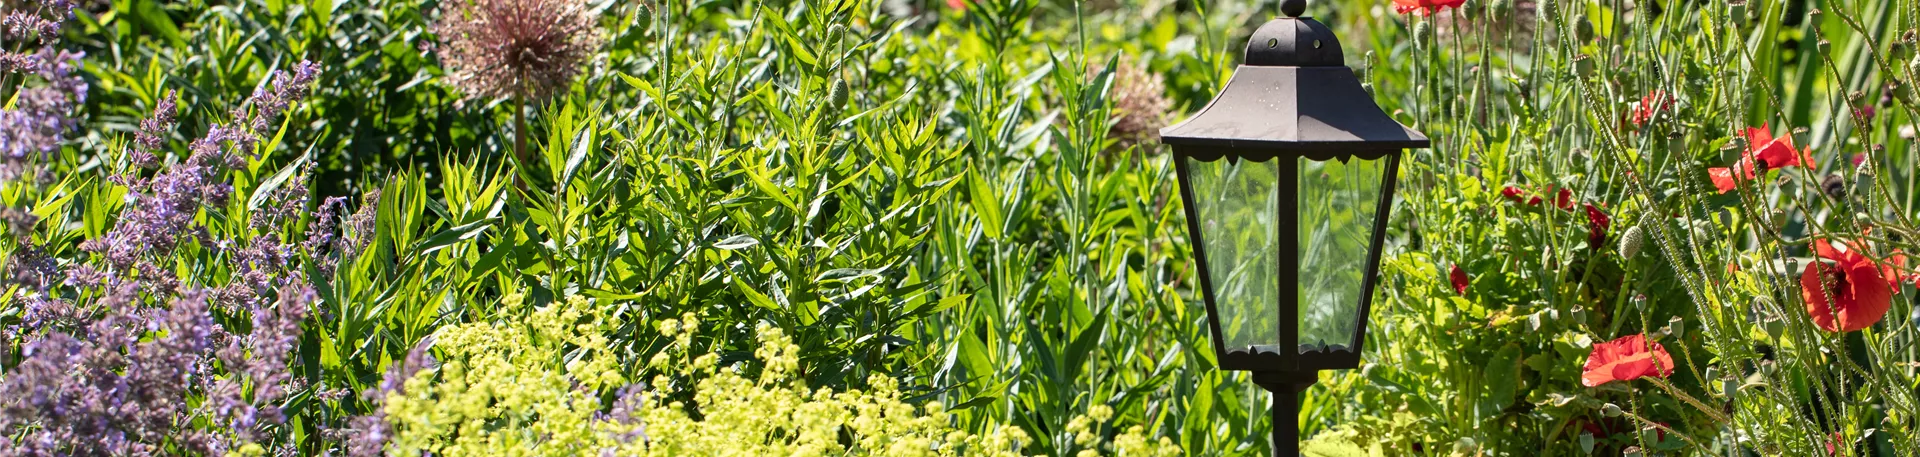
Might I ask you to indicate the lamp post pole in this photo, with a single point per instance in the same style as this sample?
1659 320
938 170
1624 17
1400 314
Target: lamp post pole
1285 388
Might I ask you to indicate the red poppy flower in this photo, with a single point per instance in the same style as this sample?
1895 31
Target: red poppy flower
1625 359
1562 198
1763 150
1511 193
957 4
1655 102
1425 7
1459 279
1597 225
1833 440
1853 284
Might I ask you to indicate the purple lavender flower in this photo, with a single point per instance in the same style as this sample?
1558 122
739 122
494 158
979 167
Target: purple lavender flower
151 141
43 114
40 20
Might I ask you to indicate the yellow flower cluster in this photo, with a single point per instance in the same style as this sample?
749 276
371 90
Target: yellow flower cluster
534 389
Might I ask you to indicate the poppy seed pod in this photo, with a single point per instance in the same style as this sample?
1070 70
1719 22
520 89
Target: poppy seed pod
1899 51
1903 91
1583 65
1738 12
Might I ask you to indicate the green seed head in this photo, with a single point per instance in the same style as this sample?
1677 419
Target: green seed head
1610 410
1738 12
1583 65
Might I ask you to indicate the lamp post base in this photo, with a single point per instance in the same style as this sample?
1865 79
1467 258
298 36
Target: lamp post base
1286 387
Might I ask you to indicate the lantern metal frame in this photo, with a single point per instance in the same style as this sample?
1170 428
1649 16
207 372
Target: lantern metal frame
1292 97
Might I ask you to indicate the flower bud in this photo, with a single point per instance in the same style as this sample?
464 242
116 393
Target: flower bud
642 18
1904 91
1899 51
1548 8
1421 30
838 95
1500 7
1582 28
1834 186
1631 241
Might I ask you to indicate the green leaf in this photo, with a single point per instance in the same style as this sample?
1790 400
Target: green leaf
1503 375
453 235
986 203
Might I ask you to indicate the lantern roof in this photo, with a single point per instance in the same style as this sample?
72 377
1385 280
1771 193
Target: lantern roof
1293 94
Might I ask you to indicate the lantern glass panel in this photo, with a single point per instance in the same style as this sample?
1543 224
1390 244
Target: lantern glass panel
1337 205
1238 203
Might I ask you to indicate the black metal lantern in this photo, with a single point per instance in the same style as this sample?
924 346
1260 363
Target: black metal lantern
1288 175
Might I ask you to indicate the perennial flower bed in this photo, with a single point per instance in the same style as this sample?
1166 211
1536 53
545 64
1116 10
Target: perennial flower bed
920 228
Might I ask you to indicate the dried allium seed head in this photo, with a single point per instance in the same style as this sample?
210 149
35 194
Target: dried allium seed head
1140 103
505 48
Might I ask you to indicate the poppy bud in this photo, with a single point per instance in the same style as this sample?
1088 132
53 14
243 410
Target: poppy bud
643 17
1834 186
1582 28
1903 91
1500 7
1631 241
1899 51
838 95
1548 8
1420 32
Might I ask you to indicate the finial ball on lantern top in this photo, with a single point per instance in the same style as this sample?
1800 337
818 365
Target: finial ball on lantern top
1293 8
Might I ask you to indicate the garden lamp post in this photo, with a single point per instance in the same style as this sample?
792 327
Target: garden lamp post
1287 176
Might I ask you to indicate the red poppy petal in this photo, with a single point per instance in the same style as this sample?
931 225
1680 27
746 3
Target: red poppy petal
1758 136
1722 179
1867 300
1459 279
1777 154
1813 293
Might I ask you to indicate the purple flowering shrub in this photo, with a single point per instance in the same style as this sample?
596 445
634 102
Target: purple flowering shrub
170 329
